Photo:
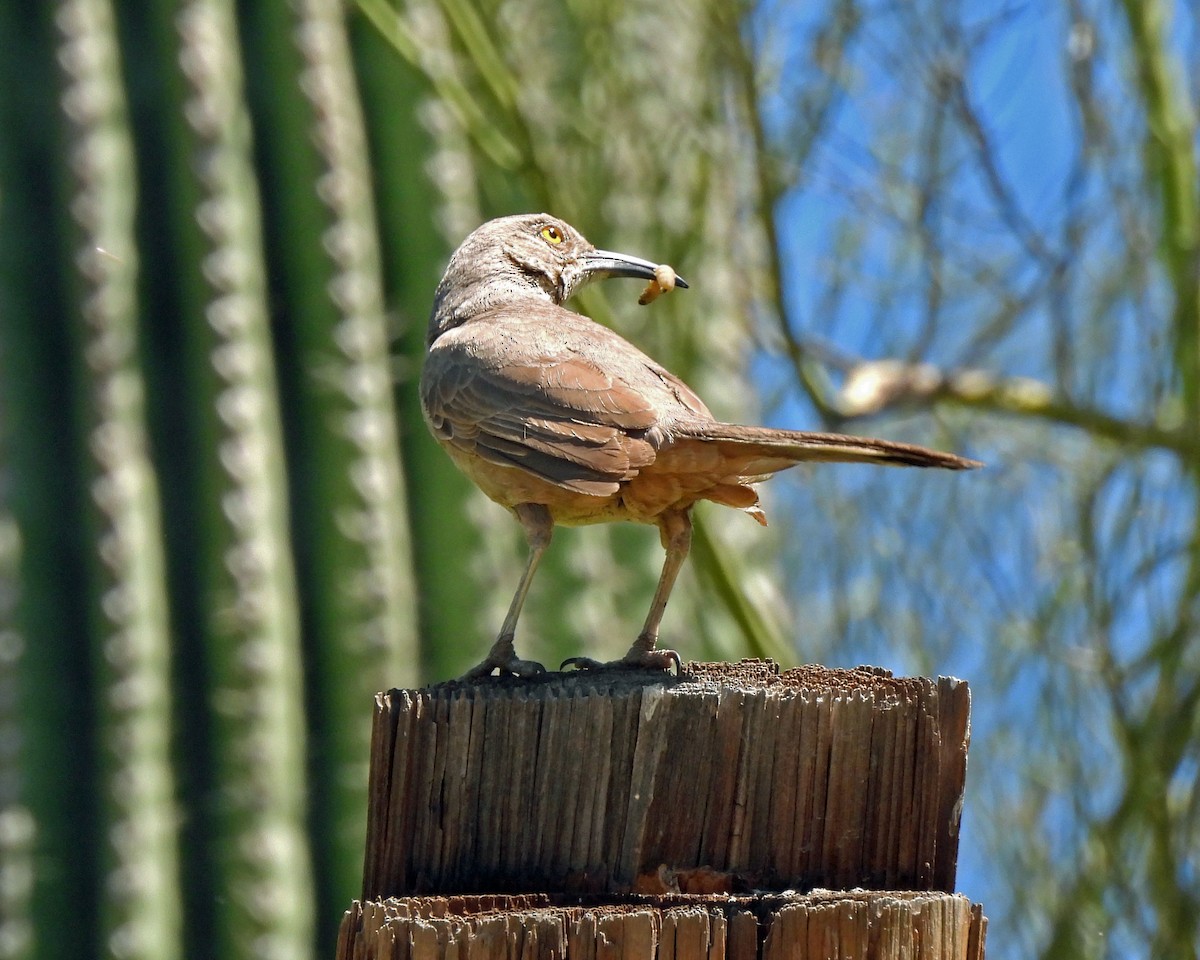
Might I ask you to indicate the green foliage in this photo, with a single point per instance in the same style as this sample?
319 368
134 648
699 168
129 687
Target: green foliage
242 530
126 588
145 422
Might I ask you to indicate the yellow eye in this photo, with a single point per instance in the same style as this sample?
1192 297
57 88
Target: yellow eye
551 234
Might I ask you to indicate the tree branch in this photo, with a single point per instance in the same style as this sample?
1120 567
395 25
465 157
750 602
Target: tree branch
874 386
1172 130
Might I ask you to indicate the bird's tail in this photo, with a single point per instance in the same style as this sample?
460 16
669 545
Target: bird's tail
758 451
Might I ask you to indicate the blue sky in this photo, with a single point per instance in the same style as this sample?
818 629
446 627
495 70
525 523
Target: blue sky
1017 82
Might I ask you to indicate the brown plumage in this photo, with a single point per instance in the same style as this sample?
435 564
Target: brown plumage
563 421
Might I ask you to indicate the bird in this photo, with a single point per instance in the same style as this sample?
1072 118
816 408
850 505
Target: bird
564 422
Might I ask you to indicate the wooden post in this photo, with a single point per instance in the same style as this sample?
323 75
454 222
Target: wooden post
709 815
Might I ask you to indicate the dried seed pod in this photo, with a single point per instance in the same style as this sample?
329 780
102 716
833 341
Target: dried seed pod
663 282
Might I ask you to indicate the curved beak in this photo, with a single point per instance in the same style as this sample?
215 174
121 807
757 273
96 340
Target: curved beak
605 263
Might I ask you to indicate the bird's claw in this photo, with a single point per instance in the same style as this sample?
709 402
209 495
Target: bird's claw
510 666
649 660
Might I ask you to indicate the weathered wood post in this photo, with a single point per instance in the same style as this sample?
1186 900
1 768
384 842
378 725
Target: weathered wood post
736 811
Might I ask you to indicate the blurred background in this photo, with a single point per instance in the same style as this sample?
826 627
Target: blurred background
223 525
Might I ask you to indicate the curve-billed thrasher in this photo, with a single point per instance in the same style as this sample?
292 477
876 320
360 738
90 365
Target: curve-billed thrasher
563 421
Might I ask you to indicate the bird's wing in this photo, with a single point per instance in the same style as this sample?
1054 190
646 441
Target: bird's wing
561 416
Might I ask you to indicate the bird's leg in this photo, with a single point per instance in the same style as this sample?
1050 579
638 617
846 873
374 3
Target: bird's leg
538 526
675 530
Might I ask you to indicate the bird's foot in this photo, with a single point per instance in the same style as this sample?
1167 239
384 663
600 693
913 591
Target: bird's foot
634 660
510 665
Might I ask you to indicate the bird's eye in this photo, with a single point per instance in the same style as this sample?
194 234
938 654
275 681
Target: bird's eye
551 234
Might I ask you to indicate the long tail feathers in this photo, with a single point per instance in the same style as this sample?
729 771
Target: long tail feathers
763 450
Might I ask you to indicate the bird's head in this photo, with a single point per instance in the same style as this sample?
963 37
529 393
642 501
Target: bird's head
516 258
